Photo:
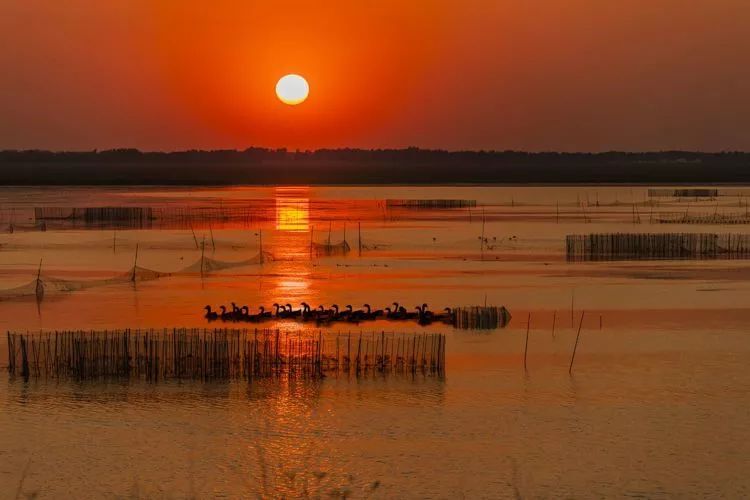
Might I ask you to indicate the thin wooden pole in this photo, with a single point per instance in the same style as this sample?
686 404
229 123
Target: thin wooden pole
554 320
203 250
260 244
481 240
39 274
572 303
359 237
195 239
575 347
526 348
135 263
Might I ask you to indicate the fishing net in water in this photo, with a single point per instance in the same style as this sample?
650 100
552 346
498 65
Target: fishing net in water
116 241
33 288
24 228
207 264
481 317
49 285
328 249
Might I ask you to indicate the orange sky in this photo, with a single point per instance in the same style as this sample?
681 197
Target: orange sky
493 74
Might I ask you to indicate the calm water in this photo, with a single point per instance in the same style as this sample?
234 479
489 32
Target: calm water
658 404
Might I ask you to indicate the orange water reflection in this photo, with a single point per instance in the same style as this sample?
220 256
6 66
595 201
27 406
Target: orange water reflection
290 280
292 209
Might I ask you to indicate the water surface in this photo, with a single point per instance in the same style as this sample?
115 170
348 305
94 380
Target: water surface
657 404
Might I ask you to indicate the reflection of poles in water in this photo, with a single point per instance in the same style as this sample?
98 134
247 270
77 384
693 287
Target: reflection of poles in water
39 288
526 348
194 238
260 244
575 347
636 215
359 237
481 243
213 243
344 233
203 250
572 300
554 320
135 263
329 233
312 232
114 241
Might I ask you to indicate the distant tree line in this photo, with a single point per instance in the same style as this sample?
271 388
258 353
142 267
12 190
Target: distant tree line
366 166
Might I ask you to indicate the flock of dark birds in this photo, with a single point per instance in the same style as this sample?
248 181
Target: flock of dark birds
322 316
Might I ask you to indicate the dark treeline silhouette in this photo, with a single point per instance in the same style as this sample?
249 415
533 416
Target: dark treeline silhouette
362 166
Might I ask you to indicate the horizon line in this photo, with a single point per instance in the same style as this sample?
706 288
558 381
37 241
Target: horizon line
279 150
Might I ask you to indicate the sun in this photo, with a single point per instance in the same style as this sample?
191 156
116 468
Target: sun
292 89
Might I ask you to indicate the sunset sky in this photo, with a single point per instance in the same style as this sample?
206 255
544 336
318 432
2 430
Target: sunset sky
566 75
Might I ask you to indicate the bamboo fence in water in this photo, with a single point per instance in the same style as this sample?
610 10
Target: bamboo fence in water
637 246
697 192
220 354
427 204
705 218
684 192
480 317
125 217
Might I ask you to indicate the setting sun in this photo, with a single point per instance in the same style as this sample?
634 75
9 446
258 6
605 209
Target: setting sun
292 89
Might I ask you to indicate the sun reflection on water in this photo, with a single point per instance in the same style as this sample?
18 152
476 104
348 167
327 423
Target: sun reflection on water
292 209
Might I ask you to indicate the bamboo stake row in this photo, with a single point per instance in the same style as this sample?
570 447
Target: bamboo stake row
480 317
219 354
426 204
634 246
706 218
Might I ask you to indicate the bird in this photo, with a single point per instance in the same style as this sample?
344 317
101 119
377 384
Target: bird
346 314
291 313
446 317
263 314
307 313
236 312
334 311
245 313
370 314
224 314
211 315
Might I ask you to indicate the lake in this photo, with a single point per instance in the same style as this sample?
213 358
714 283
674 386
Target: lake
656 405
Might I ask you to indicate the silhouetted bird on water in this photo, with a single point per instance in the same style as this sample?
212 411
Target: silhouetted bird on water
370 314
424 315
446 317
263 314
321 315
211 315
224 315
291 313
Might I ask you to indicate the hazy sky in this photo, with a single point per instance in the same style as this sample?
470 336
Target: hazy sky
465 74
